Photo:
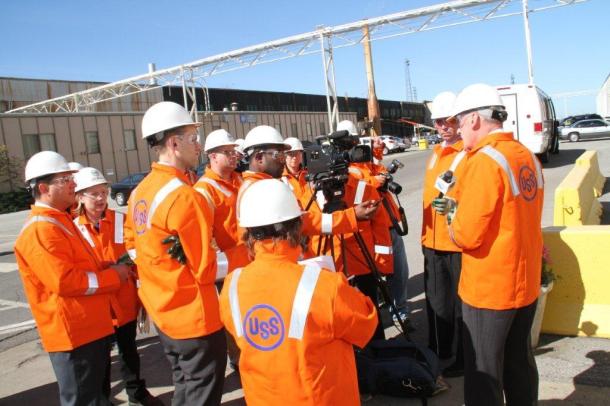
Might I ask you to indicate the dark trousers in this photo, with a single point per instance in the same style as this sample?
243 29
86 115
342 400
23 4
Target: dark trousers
368 286
443 305
129 360
198 367
80 373
498 357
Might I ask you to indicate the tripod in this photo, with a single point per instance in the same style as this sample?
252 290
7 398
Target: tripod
334 202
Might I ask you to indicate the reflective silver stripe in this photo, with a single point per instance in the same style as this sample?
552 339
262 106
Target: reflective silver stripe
118 227
456 161
215 184
92 282
383 249
132 253
287 182
207 196
320 199
501 160
432 162
84 232
327 223
302 301
359 192
160 197
234 303
539 177
355 171
35 219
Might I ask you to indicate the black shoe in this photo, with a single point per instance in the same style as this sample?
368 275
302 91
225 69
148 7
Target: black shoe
453 371
146 399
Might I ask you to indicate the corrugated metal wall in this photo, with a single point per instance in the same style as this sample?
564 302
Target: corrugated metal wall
114 159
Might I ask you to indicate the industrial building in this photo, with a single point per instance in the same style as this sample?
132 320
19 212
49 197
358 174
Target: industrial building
107 135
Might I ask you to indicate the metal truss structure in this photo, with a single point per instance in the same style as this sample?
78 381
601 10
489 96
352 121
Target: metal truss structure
323 40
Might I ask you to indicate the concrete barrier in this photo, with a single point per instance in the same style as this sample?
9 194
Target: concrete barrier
576 196
579 303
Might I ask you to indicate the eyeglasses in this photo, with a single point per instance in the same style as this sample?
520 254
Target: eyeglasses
440 122
275 154
191 138
228 152
103 195
62 180
293 154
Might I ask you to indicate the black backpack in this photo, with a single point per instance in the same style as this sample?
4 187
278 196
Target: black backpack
399 368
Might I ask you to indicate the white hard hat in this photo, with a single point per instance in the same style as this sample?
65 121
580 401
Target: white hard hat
476 97
218 138
349 126
45 163
75 166
164 116
442 105
294 144
263 135
88 177
279 202
240 145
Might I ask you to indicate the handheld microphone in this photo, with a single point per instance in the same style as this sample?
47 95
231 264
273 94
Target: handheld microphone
443 186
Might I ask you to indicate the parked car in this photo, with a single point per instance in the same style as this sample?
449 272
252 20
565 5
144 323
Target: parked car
394 144
433 138
121 190
568 121
586 129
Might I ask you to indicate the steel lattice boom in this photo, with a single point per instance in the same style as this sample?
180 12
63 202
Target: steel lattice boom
403 23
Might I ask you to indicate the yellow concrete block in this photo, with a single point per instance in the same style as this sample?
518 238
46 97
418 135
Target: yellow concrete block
576 196
579 303
589 160
422 143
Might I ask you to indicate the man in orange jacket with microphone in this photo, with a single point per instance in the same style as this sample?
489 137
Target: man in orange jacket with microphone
495 217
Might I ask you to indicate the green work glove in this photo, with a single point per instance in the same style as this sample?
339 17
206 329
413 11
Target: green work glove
445 206
125 259
175 250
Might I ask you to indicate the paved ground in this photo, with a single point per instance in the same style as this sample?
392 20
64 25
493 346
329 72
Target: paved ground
573 371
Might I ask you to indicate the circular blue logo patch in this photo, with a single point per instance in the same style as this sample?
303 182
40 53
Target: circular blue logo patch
140 216
263 327
528 183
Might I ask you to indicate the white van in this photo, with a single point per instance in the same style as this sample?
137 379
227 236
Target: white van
531 118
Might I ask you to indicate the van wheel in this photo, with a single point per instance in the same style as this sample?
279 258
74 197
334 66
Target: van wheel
545 156
574 137
386 151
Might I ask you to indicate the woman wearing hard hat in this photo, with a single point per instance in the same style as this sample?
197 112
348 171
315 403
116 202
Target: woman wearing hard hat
295 324
103 230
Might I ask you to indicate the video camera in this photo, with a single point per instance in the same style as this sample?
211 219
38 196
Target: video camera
328 163
389 184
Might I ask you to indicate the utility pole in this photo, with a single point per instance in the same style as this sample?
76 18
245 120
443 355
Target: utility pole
373 104
528 43
408 88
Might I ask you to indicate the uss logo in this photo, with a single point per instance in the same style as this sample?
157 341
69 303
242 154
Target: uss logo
263 327
140 216
528 183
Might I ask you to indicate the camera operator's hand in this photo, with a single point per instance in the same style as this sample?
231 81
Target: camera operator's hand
380 179
366 210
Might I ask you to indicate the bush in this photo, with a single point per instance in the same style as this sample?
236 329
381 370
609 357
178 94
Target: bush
15 201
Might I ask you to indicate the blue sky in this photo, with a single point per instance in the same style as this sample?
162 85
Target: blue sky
115 39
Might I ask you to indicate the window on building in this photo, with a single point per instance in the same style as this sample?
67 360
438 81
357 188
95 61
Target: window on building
295 131
33 143
93 142
129 137
251 107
